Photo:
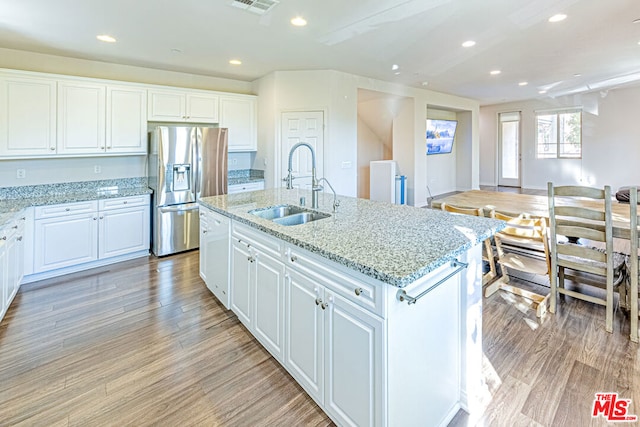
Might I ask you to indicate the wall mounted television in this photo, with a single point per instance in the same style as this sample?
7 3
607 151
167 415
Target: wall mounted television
440 136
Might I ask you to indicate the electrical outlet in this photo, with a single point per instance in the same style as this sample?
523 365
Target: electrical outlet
97 169
233 162
21 173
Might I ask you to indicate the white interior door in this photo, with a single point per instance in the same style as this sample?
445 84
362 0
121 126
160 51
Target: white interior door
302 126
509 149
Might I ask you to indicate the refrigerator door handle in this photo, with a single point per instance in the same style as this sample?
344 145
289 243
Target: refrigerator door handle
195 146
179 208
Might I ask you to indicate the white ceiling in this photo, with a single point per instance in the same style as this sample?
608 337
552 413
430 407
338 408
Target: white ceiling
598 40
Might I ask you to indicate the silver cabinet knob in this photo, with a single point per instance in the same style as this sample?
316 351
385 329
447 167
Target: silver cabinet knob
52 148
294 258
324 305
318 301
358 291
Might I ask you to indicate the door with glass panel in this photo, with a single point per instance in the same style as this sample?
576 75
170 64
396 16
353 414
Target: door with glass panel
509 149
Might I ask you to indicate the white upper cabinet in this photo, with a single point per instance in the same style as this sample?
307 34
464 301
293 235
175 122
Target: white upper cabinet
27 116
81 118
126 120
183 106
238 114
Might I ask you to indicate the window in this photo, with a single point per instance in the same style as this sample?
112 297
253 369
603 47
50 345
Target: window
559 134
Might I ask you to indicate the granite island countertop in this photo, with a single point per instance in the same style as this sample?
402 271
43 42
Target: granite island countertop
392 243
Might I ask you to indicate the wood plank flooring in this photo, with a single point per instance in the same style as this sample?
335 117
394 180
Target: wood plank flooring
145 343
139 343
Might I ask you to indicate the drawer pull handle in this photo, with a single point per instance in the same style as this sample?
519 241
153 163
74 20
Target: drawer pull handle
294 258
15 227
52 148
125 202
19 239
324 305
4 238
94 218
67 209
358 291
318 301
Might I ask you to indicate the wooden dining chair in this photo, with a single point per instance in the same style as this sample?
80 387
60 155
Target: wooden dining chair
632 263
522 246
593 224
487 253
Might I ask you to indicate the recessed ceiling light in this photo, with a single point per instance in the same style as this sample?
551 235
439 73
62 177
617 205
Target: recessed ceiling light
558 17
176 50
542 92
298 21
468 43
577 75
397 73
425 83
394 67
495 72
106 38
523 83
235 62
636 21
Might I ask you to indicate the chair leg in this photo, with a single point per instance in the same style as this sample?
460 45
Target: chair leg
634 309
561 281
609 305
624 297
492 262
553 285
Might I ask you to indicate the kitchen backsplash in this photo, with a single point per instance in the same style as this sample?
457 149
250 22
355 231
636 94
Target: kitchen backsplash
246 173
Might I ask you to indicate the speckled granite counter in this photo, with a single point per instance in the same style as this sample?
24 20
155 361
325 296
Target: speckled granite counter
14 199
245 176
394 244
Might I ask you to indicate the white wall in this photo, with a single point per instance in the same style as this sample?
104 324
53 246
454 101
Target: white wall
610 135
336 94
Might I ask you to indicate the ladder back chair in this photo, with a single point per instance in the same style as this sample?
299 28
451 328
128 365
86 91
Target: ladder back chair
594 224
487 253
522 246
632 263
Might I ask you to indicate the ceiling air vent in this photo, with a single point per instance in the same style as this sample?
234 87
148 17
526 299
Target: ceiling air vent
259 7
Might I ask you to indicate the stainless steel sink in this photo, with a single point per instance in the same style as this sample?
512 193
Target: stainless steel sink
300 218
277 211
289 214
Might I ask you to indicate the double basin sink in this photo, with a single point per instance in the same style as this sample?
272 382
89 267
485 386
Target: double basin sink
289 214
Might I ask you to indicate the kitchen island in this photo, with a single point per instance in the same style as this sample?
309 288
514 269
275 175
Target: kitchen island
374 310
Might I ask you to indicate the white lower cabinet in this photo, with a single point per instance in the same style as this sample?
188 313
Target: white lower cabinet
214 253
72 234
334 348
11 262
258 288
359 350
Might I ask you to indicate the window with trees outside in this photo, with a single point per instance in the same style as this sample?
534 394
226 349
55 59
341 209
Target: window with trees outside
559 134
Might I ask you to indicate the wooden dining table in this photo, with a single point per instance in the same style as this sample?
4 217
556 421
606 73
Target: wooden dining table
514 204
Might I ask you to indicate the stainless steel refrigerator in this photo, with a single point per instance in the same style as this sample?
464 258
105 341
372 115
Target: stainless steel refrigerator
185 163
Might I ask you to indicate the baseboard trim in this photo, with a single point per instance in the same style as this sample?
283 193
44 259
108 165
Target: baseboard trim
81 267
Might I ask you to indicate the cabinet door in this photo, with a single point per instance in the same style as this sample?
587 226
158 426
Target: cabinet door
304 331
203 255
123 231
268 321
215 259
202 108
11 253
166 106
353 363
81 118
238 114
242 272
27 116
126 120
65 241
4 279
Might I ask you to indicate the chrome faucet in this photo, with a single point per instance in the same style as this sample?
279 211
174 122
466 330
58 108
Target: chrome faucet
315 188
336 202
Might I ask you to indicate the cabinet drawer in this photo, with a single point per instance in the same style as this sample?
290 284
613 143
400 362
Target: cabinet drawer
257 239
52 211
124 202
241 188
332 276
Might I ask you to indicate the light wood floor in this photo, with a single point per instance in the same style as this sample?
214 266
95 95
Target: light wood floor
145 343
